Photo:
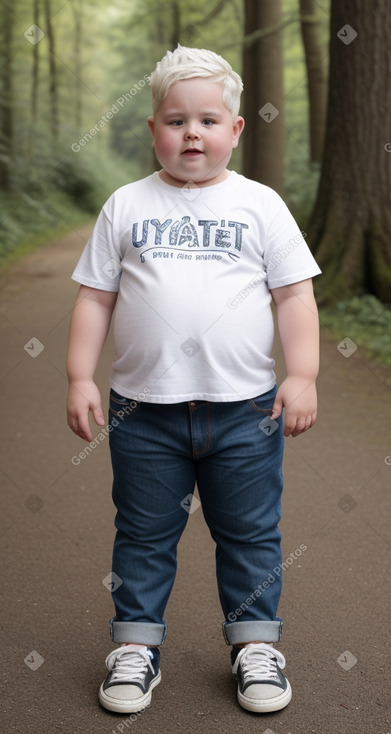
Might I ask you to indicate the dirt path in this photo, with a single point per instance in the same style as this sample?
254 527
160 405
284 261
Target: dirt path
56 532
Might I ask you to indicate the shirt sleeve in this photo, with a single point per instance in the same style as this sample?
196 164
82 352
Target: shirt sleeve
100 263
287 256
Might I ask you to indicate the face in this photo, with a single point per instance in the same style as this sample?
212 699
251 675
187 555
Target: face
194 133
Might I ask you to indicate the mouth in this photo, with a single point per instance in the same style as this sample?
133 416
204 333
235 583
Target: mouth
192 152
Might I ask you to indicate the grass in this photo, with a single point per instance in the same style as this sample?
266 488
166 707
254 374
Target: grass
29 225
366 321
47 207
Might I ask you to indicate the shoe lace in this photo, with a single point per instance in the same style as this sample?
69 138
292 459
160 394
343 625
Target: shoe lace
259 661
129 664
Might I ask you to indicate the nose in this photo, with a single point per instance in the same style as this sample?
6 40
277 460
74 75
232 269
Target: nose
192 132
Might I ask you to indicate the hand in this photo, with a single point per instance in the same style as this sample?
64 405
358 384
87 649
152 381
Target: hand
298 397
83 397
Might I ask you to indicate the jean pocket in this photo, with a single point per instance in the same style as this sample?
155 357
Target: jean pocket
120 406
263 404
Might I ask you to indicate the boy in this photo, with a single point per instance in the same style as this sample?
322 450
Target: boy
195 253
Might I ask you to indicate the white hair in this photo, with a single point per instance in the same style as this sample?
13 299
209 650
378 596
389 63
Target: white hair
188 63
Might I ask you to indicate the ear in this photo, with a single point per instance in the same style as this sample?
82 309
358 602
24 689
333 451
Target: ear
237 131
151 125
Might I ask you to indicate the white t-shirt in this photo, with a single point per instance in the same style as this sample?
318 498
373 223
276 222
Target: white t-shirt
193 268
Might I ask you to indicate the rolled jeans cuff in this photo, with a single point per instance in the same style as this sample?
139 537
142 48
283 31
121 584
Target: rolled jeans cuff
142 633
263 630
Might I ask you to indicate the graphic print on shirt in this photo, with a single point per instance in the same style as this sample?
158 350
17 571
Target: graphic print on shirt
204 239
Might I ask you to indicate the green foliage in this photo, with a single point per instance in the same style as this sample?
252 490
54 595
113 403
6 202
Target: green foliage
29 222
54 201
366 321
102 139
301 181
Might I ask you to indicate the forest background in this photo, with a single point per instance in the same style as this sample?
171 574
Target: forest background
75 98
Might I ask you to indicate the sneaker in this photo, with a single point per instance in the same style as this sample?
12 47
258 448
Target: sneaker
134 672
262 686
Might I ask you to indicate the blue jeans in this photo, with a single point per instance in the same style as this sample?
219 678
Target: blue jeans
233 451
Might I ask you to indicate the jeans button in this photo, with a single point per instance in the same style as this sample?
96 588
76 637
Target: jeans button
192 405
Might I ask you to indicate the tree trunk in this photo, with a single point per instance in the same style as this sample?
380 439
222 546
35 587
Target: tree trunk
35 72
176 25
6 99
77 50
351 222
53 85
263 105
316 76
34 93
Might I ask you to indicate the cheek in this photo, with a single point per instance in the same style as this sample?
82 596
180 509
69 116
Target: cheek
221 144
165 144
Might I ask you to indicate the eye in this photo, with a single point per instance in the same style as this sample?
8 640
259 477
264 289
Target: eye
176 123
208 122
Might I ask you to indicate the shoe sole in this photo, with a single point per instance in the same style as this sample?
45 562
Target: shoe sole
269 704
128 707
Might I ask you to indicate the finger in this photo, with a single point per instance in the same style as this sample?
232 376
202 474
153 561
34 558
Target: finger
83 427
277 409
294 425
73 424
98 415
290 425
302 425
309 422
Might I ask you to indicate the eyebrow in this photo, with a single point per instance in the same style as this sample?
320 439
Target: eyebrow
179 113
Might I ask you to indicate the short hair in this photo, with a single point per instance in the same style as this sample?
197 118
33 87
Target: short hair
188 63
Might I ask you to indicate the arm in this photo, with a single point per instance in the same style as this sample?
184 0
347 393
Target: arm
88 330
298 325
